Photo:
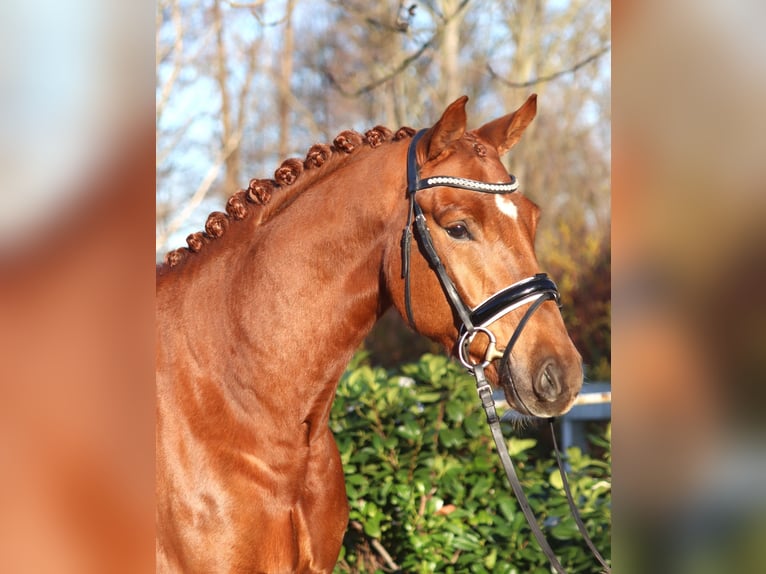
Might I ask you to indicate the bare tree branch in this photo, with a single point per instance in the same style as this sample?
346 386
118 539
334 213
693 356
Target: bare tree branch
244 92
399 24
375 543
284 79
179 134
201 191
246 5
307 114
403 65
549 77
177 49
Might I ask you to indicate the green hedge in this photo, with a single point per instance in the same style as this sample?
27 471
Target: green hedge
426 487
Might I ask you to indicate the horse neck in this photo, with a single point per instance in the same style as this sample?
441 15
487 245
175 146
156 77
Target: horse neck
288 301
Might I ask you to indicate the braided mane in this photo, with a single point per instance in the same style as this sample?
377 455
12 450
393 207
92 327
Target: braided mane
264 198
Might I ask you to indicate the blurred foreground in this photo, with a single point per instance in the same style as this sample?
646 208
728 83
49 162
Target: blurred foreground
689 264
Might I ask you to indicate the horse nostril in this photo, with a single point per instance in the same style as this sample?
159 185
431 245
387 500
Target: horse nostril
547 385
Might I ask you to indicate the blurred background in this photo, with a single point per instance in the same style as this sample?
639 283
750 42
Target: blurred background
83 98
689 263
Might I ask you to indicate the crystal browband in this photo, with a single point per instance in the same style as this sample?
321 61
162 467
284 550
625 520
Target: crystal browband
470 184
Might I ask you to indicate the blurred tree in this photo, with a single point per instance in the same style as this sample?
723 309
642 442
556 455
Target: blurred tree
206 66
284 79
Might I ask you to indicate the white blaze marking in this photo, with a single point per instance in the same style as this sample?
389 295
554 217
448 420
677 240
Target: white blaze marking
506 205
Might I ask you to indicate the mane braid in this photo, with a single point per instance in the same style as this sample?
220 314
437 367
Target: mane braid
267 197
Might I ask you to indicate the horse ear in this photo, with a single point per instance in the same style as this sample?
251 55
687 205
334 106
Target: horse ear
503 133
449 128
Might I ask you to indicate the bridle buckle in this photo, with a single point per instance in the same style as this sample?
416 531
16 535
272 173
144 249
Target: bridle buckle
464 344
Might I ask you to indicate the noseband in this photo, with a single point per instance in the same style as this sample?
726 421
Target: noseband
533 290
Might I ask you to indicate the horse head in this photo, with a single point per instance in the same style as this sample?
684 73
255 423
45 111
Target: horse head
473 282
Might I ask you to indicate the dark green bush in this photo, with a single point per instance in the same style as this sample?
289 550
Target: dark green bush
426 487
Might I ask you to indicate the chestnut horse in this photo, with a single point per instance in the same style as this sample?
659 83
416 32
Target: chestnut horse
258 318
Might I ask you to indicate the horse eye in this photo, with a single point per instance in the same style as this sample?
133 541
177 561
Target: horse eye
458 231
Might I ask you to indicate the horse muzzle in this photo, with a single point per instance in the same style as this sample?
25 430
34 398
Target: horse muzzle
549 387
546 388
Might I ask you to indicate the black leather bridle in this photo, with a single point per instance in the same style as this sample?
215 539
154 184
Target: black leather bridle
532 290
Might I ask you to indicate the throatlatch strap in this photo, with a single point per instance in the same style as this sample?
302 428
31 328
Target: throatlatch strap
412 187
406 248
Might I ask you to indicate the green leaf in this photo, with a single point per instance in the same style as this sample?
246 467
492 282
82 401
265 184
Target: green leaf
450 437
455 411
372 526
467 541
556 481
507 507
565 530
474 425
518 445
429 397
491 559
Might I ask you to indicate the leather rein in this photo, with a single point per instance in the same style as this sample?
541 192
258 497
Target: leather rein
532 290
